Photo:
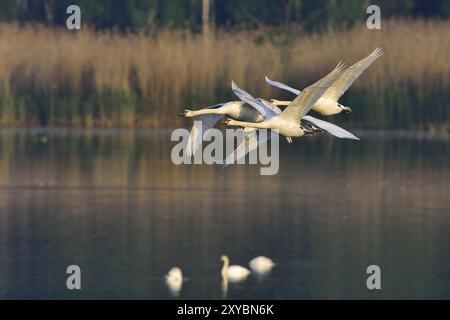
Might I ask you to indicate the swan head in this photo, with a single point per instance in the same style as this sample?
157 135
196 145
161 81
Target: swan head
174 281
186 113
309 128
174 274
224 258
344 108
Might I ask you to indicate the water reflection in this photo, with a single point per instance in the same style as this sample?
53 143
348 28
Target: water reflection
114 204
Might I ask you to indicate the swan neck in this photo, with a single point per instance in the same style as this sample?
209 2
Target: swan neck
259 125
282 103
205 111
226 263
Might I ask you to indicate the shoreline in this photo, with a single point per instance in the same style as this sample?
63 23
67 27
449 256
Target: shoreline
368 133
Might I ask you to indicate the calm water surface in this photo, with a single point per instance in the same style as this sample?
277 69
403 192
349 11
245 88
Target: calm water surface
113 203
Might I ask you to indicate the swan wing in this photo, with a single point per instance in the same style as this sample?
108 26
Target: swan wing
249 144
201 124
309 96
270 105
265 111
275 108
351 74
282 86
331 128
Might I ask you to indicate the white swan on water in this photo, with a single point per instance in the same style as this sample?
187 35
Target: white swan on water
174 280
328 104
233 273
261 265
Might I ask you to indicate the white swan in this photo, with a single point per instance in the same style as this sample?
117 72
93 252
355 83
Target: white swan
328 104
174 280
289 122
310 124
261 265
233 273
206 118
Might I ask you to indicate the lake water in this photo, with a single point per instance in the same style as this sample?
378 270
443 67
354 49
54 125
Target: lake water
113 203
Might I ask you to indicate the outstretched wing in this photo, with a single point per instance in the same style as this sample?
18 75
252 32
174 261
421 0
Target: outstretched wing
282 86
201 124
350 75
309 96
265 111
247 145
331 128
270 105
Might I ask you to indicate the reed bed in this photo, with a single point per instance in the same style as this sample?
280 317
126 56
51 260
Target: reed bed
56 77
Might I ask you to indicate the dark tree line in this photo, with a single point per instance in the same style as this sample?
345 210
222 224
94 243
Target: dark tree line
145 14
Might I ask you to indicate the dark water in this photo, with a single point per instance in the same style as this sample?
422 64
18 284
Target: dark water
113 203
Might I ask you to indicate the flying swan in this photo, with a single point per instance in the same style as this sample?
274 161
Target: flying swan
328 104
209 116
291 122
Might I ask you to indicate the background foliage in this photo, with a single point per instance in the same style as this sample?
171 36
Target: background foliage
140 62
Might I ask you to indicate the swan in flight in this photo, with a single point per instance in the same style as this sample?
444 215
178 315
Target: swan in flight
310 124
261 265
287 123
174 281
291 122
208 117
233 273
328 104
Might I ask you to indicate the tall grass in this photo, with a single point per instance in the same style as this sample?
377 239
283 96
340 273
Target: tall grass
56 77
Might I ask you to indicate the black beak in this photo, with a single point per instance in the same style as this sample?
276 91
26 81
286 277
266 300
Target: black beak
183 114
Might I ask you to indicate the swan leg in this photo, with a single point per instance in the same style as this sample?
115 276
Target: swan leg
280 102
346 109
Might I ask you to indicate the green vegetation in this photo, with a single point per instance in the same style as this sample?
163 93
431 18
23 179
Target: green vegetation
141 62
150 14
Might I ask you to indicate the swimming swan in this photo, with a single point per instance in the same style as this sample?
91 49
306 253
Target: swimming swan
233 273
328 104
261 265
174 280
